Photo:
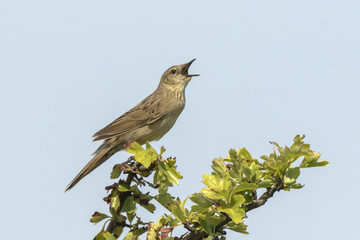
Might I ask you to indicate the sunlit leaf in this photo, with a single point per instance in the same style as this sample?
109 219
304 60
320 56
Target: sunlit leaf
244 186
210 194
115 202
123 187
233 209
130 236
143 156
244 153
219 167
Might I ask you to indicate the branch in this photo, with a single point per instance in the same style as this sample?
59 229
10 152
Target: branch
265 196
135 168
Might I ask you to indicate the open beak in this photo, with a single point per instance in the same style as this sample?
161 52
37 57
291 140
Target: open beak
186 68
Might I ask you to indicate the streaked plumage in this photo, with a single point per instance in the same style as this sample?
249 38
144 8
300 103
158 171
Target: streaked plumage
149 120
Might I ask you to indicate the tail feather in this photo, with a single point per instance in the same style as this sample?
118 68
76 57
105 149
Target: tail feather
104 152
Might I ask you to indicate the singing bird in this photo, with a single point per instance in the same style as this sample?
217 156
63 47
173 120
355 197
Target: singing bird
149 120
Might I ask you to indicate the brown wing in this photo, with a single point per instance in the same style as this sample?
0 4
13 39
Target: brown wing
146 112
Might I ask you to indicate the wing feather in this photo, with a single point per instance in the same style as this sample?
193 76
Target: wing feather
146 112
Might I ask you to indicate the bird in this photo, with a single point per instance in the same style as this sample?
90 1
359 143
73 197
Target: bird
148 121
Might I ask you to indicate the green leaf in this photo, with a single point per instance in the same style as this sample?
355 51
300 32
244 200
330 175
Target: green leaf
247 171
274 165
221 186
244 186
313 164
219 167
248 197
209 223
167 168
145 157
173 176
134 147
163 188
293 173
104 235
288 181
164 199
130 216
297 186
179 211
162 150
321 163
200 200
244 153
97 217
265 183
119 218
208 228
129 205
123 187
225 185
139 231
266 158
275 144
233 154
198 209
130 236
153 231
240 227
108 235
150 207
116 171
115 202
118 231
99 236
162 221
233 209
210 194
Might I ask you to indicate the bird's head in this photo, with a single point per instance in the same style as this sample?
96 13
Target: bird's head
177 76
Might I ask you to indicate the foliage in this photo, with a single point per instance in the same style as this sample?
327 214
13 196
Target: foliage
231 191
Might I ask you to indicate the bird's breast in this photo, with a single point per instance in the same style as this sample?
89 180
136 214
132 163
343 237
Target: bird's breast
164 124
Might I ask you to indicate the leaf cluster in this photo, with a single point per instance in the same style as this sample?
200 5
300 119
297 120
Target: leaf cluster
230 191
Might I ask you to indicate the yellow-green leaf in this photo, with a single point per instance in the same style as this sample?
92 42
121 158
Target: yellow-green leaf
115 202
233 209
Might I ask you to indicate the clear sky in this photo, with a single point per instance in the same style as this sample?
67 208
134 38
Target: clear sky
269 70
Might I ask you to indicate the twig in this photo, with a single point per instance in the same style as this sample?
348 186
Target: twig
265 196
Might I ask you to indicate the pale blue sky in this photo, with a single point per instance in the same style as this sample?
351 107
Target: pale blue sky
269 70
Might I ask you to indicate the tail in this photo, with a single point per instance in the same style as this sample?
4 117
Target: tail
103 153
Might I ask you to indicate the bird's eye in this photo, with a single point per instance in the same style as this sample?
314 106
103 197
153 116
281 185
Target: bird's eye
173 71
